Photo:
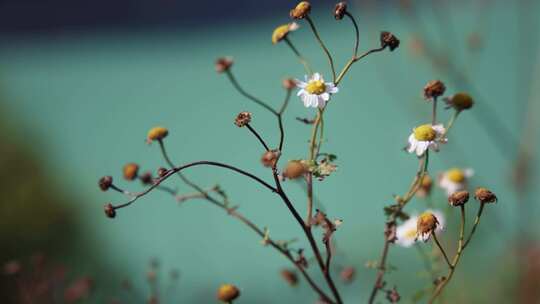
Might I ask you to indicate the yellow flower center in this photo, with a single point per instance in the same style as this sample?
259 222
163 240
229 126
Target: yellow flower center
280 32
411 233
456 175
316 87
424 133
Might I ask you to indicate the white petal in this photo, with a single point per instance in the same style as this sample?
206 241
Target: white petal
316 76
468 172
421 147
325 96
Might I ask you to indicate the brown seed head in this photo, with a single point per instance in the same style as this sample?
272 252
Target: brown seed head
389 40
130 171
227 292
156 133
242 119
109 210
340 10
270 158
105 183
301 10
460 101
434 89
347 274
426 224
223 64
294 169
458 198
146 178
484 195
289 83
290 277
162 171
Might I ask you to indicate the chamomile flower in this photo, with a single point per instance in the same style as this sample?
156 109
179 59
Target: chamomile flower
425 137
407 233
455 179
314 92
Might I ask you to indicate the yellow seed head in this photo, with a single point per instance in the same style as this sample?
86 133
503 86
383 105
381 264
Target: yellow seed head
461 101
316 87
227 292
282 31
424 133
156 133
301 10
456 175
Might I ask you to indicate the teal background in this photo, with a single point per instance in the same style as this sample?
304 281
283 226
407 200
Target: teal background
85 102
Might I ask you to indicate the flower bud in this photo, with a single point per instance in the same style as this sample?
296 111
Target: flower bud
294 169
460 101
290 277
426 224
347 274
484 195
434 89
301 10
458 198
109 210
242 119
227 292
282 31
340 10
130 171
162 172
289 83
105 183
270 158
146 178
156 133
223 64
389 40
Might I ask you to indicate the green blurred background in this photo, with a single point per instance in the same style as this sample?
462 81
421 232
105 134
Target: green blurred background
76 103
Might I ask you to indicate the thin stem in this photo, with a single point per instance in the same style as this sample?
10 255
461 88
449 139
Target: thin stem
352 61
357 32
280 118
250 128
325 49
248 95
434 112
476 222
434 237
301 58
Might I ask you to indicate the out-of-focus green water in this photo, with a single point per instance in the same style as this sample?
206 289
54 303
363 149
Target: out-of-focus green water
86 103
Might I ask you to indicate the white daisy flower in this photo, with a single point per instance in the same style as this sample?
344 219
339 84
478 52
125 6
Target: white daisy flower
455 179
314 92
424 137
407 235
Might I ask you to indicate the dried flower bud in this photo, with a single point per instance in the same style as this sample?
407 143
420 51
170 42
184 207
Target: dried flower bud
270 158
105 183
426 224
282 31
425 186
242 119
109 210
130 171
460 101
340 10
146 178
156 133
389 40
162 172
347 274
458 198
294 169
484 195
301 10
289 83
223 64
227 292
434 89
290 277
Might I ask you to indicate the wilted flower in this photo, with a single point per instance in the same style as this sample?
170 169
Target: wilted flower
426 224
223 64
455 179
242 119
340 10
407 233
109 210
460 101
156 133
227 292
424 137
484 195
389 40
314 92
458 198
434 89
269 158
301 10
105 183
282 31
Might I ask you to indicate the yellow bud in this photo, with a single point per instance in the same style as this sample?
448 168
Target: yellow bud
227 292
156 133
